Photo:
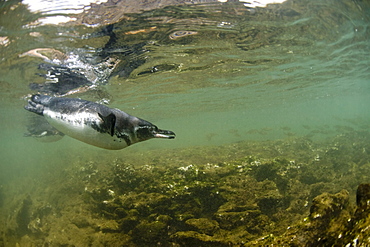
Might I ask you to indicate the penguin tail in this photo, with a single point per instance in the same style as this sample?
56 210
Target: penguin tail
36 103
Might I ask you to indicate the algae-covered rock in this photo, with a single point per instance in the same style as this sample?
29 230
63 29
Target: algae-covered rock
130 221
145 203
241 200
112 239
329 217
164 218
363 198
327 206
332 222
150 232
192 238
81 221
203 225
23 217
358 231
271 199
109 226
231 220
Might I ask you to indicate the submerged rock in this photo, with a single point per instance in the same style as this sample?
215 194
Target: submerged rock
328 206
150 232
332 222
168 202
23 217
203 225
363 198
192 238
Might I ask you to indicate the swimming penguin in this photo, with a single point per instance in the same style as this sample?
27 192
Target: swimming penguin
94 123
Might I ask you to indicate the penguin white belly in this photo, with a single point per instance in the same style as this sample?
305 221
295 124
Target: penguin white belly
94 123
79 126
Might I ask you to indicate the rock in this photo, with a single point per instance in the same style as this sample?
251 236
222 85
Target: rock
80 221
231 220
363 198
164 218
128 223
358 228
327 206
203 225
150 232
191 238
109 226
328 222
24 216
270 203
234 207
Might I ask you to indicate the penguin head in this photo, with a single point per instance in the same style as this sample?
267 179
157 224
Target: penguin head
145 131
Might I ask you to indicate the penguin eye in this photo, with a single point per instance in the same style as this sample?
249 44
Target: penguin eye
146 132
152 130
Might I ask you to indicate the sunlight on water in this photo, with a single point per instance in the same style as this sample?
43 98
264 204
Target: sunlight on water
58 10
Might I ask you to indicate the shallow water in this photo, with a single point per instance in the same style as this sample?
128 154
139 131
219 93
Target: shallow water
294 70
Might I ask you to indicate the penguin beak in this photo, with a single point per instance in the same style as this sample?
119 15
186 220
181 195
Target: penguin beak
167 134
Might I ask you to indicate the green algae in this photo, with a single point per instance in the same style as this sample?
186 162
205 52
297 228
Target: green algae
294 192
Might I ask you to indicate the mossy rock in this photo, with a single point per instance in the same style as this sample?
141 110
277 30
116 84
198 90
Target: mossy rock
203 225
109 226
234 207
192 238
161 218
363 198
128 223
146 203
327 206
150 232
231 220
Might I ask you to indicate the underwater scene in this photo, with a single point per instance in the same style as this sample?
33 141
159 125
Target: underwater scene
185 123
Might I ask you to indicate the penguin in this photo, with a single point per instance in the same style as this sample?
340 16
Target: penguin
94 123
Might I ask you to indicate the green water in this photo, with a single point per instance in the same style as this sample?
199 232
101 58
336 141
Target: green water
296 70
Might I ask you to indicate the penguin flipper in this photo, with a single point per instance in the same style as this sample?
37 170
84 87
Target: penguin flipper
35 107
109 123
37 102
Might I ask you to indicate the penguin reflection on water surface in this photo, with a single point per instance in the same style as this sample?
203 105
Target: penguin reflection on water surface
94 123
